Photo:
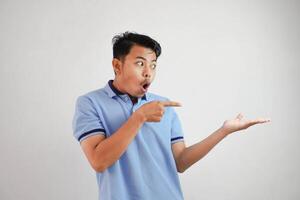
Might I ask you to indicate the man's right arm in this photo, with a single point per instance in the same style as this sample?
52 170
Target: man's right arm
102 152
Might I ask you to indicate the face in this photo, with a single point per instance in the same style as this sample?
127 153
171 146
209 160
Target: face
136 72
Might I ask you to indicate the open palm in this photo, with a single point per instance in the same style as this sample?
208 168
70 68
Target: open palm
238 123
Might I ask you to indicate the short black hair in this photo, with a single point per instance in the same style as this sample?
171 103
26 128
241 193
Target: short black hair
122 43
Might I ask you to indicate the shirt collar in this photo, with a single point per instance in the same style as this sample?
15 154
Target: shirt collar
113 91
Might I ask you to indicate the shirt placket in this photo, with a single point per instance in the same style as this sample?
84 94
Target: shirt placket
128 105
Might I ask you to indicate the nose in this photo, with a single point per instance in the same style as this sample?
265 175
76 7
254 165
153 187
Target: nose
147 73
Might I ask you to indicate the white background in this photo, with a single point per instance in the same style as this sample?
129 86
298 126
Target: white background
218 58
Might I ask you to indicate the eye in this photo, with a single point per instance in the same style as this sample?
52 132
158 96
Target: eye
153 66
140 63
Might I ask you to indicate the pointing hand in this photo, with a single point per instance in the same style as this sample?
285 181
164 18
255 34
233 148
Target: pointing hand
154 111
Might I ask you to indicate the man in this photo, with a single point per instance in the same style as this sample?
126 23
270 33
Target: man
133 138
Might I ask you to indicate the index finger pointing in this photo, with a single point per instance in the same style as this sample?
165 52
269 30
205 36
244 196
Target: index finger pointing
170 103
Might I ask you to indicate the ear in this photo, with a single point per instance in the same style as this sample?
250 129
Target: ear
116 63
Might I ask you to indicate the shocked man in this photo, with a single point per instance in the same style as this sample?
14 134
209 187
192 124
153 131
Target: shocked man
133 138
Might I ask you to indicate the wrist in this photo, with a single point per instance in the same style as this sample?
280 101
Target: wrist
224 131
140 117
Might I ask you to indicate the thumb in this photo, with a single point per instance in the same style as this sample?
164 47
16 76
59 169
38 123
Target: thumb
239 116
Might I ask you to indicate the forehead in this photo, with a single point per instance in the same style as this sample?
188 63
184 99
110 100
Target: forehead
139 51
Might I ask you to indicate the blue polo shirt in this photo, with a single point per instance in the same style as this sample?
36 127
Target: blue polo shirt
147 169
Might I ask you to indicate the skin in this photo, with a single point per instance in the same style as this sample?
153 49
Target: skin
137 68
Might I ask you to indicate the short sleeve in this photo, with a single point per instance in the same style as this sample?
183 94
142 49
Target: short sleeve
86 121
176 129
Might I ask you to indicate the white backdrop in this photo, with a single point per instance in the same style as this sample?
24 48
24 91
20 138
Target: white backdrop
218 58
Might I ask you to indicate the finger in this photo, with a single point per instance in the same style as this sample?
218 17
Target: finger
258 121
263 120
170 103
240 116
156 119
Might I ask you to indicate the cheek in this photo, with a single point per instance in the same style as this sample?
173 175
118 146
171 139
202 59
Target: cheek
153 75
136 72
133 74
128 71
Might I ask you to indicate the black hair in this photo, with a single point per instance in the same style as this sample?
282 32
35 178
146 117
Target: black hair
122 43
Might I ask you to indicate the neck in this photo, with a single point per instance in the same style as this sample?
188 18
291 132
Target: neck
116 83
117 86
133 99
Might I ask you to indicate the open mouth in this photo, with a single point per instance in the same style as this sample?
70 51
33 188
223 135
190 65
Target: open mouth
146 86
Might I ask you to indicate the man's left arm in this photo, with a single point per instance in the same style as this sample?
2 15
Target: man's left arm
187 156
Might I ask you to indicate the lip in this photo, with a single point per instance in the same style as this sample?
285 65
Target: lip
145 89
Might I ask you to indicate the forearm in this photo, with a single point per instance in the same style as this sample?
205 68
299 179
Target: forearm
111 149
194 153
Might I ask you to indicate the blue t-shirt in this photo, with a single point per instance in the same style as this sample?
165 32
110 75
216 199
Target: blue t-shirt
147 169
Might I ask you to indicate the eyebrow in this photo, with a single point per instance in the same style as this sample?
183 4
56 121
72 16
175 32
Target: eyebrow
145 58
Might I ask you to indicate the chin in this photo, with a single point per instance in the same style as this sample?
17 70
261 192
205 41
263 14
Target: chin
139 95
135 95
